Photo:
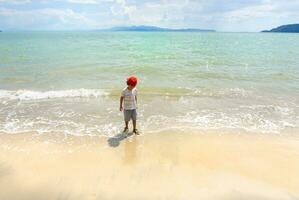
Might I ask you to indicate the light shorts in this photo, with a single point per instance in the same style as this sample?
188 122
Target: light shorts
130 114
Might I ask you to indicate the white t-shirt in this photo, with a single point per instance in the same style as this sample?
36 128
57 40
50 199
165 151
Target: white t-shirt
129 98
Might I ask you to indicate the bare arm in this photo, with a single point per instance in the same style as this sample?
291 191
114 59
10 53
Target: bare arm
121 103
136 96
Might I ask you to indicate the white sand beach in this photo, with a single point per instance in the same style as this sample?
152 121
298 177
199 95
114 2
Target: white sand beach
164 165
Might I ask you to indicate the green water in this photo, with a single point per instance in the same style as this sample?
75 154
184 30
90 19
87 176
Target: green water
244 81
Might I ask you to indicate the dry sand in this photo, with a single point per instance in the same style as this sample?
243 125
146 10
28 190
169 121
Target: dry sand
165 165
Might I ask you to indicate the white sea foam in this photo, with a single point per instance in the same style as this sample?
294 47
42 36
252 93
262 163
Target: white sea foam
227 92
253 122
202 121
35 95
103 118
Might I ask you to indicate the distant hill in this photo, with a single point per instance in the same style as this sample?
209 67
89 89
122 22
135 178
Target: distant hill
290 28
156 29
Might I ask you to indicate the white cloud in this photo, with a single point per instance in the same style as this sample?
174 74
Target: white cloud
266 15
47 18
231 15
15 1
89 1
149 13
251 12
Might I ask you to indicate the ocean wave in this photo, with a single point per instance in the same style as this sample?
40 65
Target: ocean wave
103 118
36 95
248 121
63 126
227 92
204 120
95 93
193 92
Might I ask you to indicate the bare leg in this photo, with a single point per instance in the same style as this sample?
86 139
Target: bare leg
134 128
134 124
126 127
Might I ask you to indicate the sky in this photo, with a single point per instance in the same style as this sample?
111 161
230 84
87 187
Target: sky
220 15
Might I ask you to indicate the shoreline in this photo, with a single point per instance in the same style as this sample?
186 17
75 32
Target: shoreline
165 165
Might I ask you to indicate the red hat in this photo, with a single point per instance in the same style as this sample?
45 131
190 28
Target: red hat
132 80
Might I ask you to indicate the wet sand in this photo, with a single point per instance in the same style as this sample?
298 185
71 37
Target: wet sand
165 165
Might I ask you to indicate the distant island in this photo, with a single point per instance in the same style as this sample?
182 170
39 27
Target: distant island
290 28
156 29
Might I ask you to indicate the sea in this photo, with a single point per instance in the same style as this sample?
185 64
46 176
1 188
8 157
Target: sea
69 82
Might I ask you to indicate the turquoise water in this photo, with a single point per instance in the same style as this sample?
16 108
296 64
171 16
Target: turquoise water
69 82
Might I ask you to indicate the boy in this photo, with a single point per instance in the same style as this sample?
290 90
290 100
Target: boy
128 103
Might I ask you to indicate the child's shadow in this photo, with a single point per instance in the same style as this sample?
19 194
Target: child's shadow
115 140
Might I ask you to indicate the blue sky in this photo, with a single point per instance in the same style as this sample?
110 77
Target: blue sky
222 15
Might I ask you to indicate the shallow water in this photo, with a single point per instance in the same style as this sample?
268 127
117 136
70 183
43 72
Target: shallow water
70 82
